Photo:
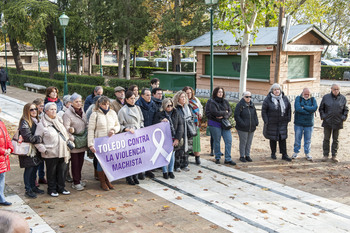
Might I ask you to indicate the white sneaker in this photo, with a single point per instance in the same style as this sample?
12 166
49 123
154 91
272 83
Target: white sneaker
65 192
178 169
308 157
82 183
186 169
54 194
78 187
295 155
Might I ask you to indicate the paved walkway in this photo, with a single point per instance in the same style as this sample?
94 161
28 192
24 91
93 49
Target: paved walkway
208 198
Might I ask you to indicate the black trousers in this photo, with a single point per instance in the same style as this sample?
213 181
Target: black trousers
55 174
328 132
3 86
282 145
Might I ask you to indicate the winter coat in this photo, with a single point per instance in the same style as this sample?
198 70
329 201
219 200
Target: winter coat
130 117
185 113
333 111
158 103
218 107
3 76
245 116
304 111
27 134
5 143
100 124
58 102
176 123
116 105
148 113
72 120
60 113
53 145
88 101
275 125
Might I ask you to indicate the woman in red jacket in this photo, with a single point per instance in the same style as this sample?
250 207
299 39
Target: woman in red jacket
6 148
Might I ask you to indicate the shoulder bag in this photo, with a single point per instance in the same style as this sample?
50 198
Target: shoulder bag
80 140
21 148
226 124
191 128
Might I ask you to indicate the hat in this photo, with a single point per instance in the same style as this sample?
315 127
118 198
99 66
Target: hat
119 88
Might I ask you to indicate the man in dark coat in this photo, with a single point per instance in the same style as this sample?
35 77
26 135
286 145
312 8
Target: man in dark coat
3 79
333 111
157 94
89 100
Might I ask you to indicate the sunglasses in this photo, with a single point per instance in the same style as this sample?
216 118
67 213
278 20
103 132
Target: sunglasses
168 106
33 109
247 97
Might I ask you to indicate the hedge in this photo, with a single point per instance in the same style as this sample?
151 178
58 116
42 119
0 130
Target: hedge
333 72
139 71
127 83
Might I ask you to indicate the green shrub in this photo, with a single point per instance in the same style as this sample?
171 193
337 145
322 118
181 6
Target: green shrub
127 83
139 71
333 72
83 79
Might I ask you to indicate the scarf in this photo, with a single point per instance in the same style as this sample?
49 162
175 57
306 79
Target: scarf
35 120
279 100
168 116
104 111
129 105
195 110
52 100
219 100
146 105
78 111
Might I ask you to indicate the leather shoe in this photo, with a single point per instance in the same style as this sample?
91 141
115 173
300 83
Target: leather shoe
141 176
42 181
171 175
286 157
149 174
6 203
242 159
36 190
273 156
230 162
217 161
165 175
248 159
30 194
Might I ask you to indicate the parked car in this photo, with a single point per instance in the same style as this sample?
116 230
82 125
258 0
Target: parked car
160 59
188 59
328 63
140 59
341 61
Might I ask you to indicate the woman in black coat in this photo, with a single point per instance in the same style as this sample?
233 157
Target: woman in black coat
276 114
170 114
27 127
246 123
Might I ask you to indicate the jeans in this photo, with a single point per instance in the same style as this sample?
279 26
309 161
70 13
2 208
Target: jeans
2 187
170 167
217 133
77 160
282 144
55 174
29 177
245 142
299 131
335 144
98 167
41 169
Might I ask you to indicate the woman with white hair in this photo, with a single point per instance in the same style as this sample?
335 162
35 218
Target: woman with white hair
246 123
53 149
66 104
74 120
276 114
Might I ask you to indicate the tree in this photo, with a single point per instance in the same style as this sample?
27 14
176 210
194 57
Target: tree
243 18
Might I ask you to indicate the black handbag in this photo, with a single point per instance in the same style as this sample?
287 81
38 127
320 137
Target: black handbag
226 124
191 128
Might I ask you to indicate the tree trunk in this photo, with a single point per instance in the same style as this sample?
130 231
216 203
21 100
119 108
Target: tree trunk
127 66
176 60
244 64
90 60
120 63
134 61
51 51
177 40
16 55
78 63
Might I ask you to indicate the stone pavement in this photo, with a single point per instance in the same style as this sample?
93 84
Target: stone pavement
208 198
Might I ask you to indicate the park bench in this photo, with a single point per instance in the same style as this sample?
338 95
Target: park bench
34 87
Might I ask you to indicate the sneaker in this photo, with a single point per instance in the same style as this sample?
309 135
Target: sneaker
78 187
171 175
30 194
308 157
334 159
39 191
286 157
295 155
273 157
211 153
42 181
325 159
242 159
248 159
217 161
6 203
178 169
165 176
198 160
186 169
54 194
230 162
82 183
65 192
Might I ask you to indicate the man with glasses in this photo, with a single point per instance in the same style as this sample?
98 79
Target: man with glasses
333 111
305 106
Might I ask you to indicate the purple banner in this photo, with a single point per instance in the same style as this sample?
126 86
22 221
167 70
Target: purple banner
126 154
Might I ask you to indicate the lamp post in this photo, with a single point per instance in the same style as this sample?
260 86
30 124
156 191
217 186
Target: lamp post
99 41
39 61
64 19
211 3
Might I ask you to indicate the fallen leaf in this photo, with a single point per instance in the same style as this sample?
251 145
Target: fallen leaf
36 207
61 225
159 224
112 208
199 171
166 207
98 195
198 178
232 197
127 205
178 198
266 217
245 203
86 210
284 208
28 218
265 189
229 226
322 211
214 226
302 213
315 214
109 214
262 211
81 226
97 206
205 189
120 218
135 200
138 225
46 201
138 192
194 213
236 219
61 210
152 199
110 221
165 189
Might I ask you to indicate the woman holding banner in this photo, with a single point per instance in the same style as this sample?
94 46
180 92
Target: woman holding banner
169 113
103 122
131 119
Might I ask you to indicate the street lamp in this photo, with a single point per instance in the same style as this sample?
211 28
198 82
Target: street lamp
99 41
64 19
211 3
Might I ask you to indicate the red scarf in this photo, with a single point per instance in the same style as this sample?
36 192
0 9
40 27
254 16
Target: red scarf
52 100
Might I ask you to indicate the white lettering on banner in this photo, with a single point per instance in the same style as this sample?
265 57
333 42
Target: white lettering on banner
116 145
159 146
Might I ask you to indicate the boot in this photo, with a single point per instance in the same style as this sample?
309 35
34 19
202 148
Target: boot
110 186
129 180
198 160
95 174
101 177
136 181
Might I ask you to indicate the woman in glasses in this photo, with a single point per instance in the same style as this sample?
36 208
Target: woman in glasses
276 114
30 163
169 113
246 123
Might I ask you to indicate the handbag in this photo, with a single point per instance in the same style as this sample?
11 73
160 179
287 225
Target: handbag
69 143
80 140
20 148
226 124
191 128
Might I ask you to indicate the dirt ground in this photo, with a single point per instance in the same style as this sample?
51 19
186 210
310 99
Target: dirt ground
326 179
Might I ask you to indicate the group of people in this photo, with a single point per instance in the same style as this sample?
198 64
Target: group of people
61 132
